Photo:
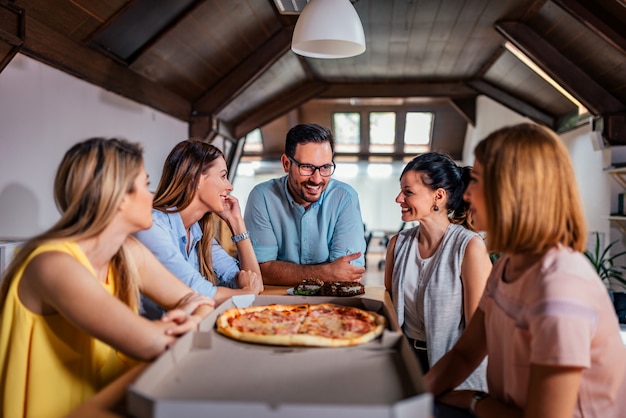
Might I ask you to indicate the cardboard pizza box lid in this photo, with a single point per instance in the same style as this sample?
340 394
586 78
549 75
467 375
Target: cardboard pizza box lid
207 374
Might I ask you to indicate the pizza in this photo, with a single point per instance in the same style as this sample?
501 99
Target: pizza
314 325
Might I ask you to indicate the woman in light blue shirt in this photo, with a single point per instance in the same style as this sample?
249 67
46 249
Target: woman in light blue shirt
193 192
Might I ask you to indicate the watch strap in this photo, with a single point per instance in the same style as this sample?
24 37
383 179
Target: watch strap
240 237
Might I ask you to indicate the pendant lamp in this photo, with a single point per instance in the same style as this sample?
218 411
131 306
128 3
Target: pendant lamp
328 29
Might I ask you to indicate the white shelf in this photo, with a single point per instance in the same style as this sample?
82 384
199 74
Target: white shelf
620 221
619 174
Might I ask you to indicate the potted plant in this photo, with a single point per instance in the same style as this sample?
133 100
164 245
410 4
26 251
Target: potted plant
604 263
607 270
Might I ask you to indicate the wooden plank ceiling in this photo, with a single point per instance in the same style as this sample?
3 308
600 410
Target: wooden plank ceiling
226 66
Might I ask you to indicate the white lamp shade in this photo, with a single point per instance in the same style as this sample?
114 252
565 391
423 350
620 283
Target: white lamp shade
328 29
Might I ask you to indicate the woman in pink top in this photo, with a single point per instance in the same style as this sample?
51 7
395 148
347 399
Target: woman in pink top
545 320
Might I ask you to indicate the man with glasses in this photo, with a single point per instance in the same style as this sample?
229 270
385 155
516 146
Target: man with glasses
306 224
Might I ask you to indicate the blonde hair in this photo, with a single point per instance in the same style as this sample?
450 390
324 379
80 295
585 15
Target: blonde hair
531 196
91 181
178 185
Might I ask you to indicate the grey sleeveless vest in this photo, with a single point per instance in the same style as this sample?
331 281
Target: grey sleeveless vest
444 317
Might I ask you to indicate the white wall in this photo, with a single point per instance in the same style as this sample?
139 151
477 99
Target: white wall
490 116
593 183
43 112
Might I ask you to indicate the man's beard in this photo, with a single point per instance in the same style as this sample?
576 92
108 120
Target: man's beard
300 191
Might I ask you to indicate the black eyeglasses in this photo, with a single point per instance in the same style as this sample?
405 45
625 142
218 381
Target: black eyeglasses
326 170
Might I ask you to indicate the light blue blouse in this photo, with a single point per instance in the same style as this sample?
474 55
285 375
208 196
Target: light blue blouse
167 239
281 229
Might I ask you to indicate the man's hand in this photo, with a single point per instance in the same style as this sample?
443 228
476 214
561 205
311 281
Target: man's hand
250 281
342 270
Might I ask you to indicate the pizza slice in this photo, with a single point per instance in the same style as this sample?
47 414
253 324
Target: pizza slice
337 325
258 323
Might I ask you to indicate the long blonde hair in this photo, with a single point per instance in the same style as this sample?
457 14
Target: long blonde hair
178 185
91 181
531 196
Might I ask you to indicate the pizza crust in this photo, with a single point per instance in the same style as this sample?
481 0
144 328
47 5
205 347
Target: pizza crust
313 325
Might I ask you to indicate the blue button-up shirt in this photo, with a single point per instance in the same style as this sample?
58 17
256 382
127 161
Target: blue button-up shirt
281 229
167 239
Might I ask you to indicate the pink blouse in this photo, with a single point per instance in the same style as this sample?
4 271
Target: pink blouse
558 313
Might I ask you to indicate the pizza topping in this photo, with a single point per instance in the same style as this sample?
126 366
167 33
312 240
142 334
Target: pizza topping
269 321
313 325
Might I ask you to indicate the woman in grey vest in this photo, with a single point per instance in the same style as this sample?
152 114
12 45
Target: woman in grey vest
436 272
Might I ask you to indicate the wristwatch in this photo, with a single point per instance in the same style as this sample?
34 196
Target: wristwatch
478 395
240 237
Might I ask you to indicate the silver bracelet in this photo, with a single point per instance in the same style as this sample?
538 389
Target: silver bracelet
240 237
479 395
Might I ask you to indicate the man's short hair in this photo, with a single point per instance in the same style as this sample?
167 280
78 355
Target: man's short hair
305 133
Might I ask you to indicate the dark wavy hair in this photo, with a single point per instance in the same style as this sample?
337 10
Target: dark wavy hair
441 172
305 133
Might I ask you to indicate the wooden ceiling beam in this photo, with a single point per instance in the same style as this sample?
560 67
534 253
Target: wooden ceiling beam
229 87
598 20
401 89
466 108
208 127
591 94
278 106
513 103
11 32
54 49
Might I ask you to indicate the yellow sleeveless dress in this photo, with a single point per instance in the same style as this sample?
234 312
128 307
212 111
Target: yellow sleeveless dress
48 367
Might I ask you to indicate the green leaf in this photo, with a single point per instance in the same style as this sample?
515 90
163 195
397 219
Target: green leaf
603 263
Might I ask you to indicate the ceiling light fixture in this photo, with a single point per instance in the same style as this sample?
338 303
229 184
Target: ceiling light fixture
328 29
531 64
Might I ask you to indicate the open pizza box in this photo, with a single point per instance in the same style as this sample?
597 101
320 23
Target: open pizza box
206 374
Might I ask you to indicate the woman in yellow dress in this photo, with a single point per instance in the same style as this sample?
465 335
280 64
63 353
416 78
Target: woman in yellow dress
68 302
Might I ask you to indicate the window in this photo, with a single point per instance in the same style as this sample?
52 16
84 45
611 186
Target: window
254 142
382 132
347 129
417 132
